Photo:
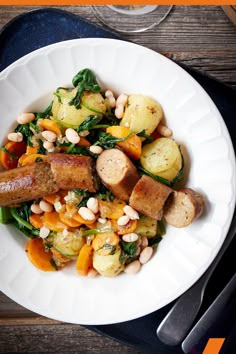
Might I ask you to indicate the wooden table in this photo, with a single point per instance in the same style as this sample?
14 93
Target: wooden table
199 36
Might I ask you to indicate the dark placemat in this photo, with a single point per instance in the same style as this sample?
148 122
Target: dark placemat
41 27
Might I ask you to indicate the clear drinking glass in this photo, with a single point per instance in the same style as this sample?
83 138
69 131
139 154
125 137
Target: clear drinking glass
131 18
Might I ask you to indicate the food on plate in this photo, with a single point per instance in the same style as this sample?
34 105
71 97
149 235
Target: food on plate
92 179
149 197
73 171
162 157
183 207
142 113
26 183
117 173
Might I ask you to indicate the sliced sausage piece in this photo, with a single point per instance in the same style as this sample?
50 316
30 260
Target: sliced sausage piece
183 207
73 171
117 173
26 183
149 197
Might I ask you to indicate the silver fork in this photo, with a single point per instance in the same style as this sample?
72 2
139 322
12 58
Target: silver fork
175 326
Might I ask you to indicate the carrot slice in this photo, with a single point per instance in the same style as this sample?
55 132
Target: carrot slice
13 150
33 158
38 256
111 210
36 220
59 196
67 220
31 150
131 146
53 222
83 142
85 260
48 124
104 243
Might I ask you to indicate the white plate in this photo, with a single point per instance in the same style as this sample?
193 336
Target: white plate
184 254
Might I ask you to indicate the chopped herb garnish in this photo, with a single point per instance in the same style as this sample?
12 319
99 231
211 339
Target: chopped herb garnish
148 138
129 248
85 80
95 231
153 241
12 156
45 114
106 246
52 262
157 178
89 123
108 141
179 176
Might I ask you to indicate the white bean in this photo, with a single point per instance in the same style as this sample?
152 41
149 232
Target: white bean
119 111
123 220
132 214
122 99
72 136
92 273
49 136
102 220
137 253
86 213
109 93
25 118
45 206
133 267
95 149
112 101
145 255
131 237
164 131
48 146
17 137
44 232
144 242
35 208
92 204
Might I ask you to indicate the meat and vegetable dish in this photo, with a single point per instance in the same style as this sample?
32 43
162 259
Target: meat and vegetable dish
93 179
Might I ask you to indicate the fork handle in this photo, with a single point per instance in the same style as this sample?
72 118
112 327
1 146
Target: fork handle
175 326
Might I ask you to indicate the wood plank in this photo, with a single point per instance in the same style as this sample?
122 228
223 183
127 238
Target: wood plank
65 338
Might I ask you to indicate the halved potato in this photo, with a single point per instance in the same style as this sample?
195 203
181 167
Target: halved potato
68 244
108 266
162 158
68 115
146 226
142 112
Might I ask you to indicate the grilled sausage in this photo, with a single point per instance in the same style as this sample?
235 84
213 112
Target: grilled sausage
149 197
117 173
73 171
183 207
26 183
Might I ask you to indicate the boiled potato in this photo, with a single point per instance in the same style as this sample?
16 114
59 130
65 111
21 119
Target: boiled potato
68 244
108 266
162 158
146 226
142 112
91 104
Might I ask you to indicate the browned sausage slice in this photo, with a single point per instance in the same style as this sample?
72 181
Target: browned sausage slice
183 207
117 173
26 183
73 171
149 197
